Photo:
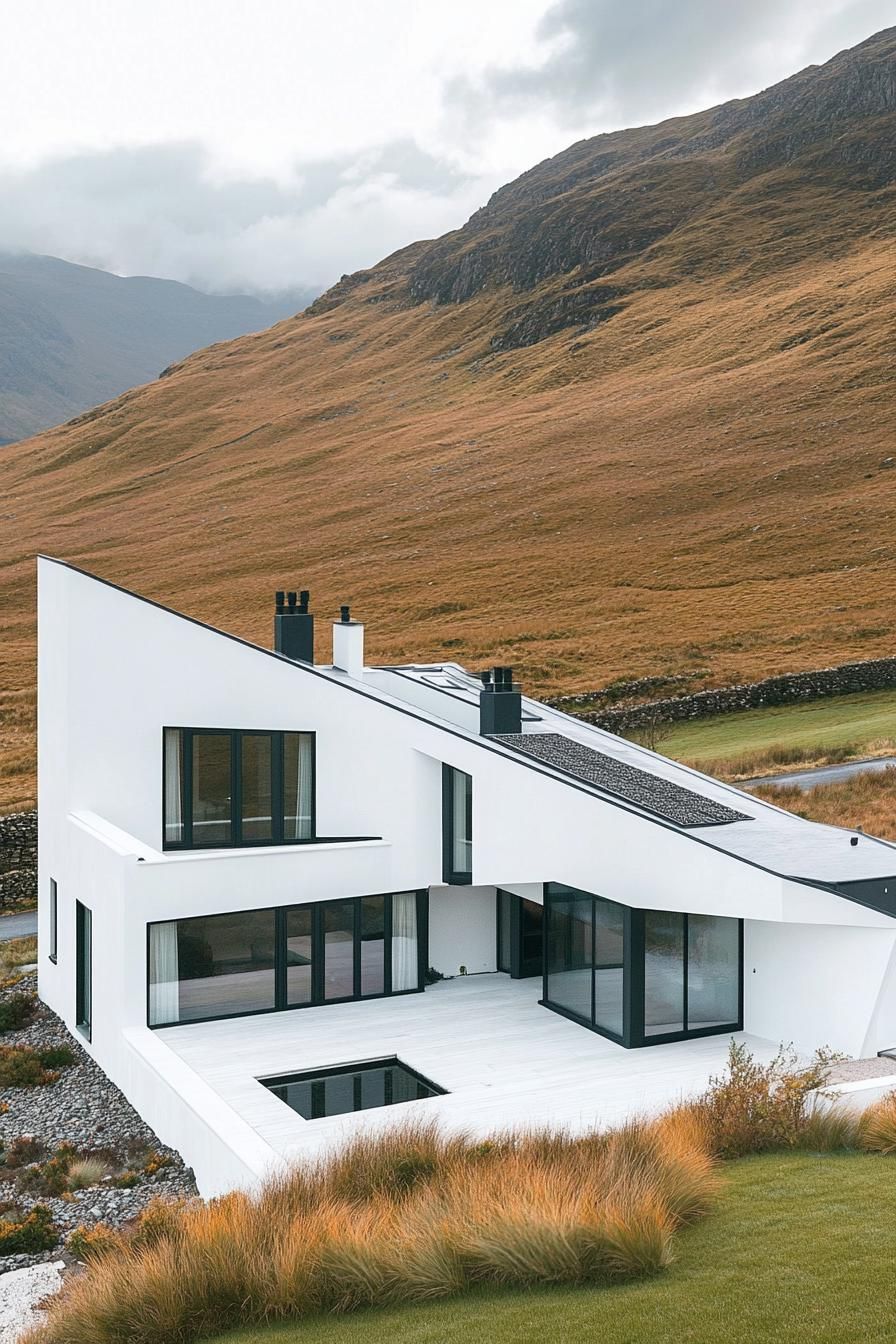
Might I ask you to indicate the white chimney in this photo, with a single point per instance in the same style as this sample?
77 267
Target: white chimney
348 644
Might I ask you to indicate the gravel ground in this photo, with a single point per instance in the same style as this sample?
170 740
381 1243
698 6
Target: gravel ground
86 1110
20 1292
854 1070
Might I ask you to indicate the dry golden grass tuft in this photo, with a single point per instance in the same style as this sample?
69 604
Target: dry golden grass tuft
877 1127
866 800
417 1216
414 1215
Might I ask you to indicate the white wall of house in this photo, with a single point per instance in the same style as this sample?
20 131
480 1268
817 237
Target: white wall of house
462 929
113 670
820 985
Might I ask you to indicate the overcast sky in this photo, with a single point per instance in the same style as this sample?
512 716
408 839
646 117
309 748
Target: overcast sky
264 144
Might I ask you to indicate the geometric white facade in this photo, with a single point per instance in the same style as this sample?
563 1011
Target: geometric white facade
115 670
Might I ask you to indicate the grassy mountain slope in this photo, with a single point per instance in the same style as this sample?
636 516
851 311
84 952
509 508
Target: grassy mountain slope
72 336
634 417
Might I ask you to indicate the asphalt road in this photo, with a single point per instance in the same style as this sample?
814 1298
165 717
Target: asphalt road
823 774
17 926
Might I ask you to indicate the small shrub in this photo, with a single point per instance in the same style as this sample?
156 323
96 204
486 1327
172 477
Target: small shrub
877 1126
125 1180
26 1233
92 1243
24 1149
160 1221
155 1162
50 1177
20 1066
757 1107
16 1011
57 1056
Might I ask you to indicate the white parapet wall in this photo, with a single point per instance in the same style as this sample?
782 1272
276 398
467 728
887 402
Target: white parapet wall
225 1152
856 1096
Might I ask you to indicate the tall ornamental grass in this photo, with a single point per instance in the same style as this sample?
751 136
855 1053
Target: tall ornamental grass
414 1214
405 1216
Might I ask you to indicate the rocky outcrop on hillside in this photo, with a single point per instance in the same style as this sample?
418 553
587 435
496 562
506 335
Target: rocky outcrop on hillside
607 202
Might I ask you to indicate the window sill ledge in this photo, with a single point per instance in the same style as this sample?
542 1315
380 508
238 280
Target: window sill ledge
261 851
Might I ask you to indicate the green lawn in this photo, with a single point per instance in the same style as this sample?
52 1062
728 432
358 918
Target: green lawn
801 1251
836 722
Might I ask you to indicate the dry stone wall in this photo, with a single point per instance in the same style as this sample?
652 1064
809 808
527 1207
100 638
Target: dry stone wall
18 860
873 674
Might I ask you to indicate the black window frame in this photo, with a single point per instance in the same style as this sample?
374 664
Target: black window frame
450 875
52 955
84 969
633 1036
317 956
236 840
509 919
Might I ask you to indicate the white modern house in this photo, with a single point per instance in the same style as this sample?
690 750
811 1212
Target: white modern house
277 895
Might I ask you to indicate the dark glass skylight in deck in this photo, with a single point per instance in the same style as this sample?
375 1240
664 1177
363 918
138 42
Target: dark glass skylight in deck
652 792
351 1087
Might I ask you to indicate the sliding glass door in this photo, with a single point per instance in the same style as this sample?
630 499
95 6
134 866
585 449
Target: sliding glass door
641 976
257 961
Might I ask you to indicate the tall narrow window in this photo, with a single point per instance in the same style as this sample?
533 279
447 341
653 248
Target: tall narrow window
298 786
256 787
373 944
405 954
174 786
457 807
339 949
83 969
570 954
54 919
212 789
299 956
164 973
713 971
664 971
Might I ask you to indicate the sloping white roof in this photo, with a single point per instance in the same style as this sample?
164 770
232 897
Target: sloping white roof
768 835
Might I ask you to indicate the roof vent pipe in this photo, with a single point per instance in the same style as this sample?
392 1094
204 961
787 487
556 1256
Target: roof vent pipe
293 626
348 644
500 703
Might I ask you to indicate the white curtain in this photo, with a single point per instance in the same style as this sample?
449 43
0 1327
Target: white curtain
164 1000
298 766
174 806
405 973
303 792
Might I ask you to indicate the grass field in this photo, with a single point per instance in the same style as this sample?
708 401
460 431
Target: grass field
800 1250
862 721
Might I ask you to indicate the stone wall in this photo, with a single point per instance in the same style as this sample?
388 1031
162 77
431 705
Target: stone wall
18 860
874 674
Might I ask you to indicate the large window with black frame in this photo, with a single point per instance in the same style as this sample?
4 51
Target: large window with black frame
255 961
641 976
223 787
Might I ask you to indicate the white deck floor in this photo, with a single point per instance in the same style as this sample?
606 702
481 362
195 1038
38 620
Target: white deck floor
505 1062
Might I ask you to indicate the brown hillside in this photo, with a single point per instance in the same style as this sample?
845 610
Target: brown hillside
635 417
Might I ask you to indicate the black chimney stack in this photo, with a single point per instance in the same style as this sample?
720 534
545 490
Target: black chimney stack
500 703
294 626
